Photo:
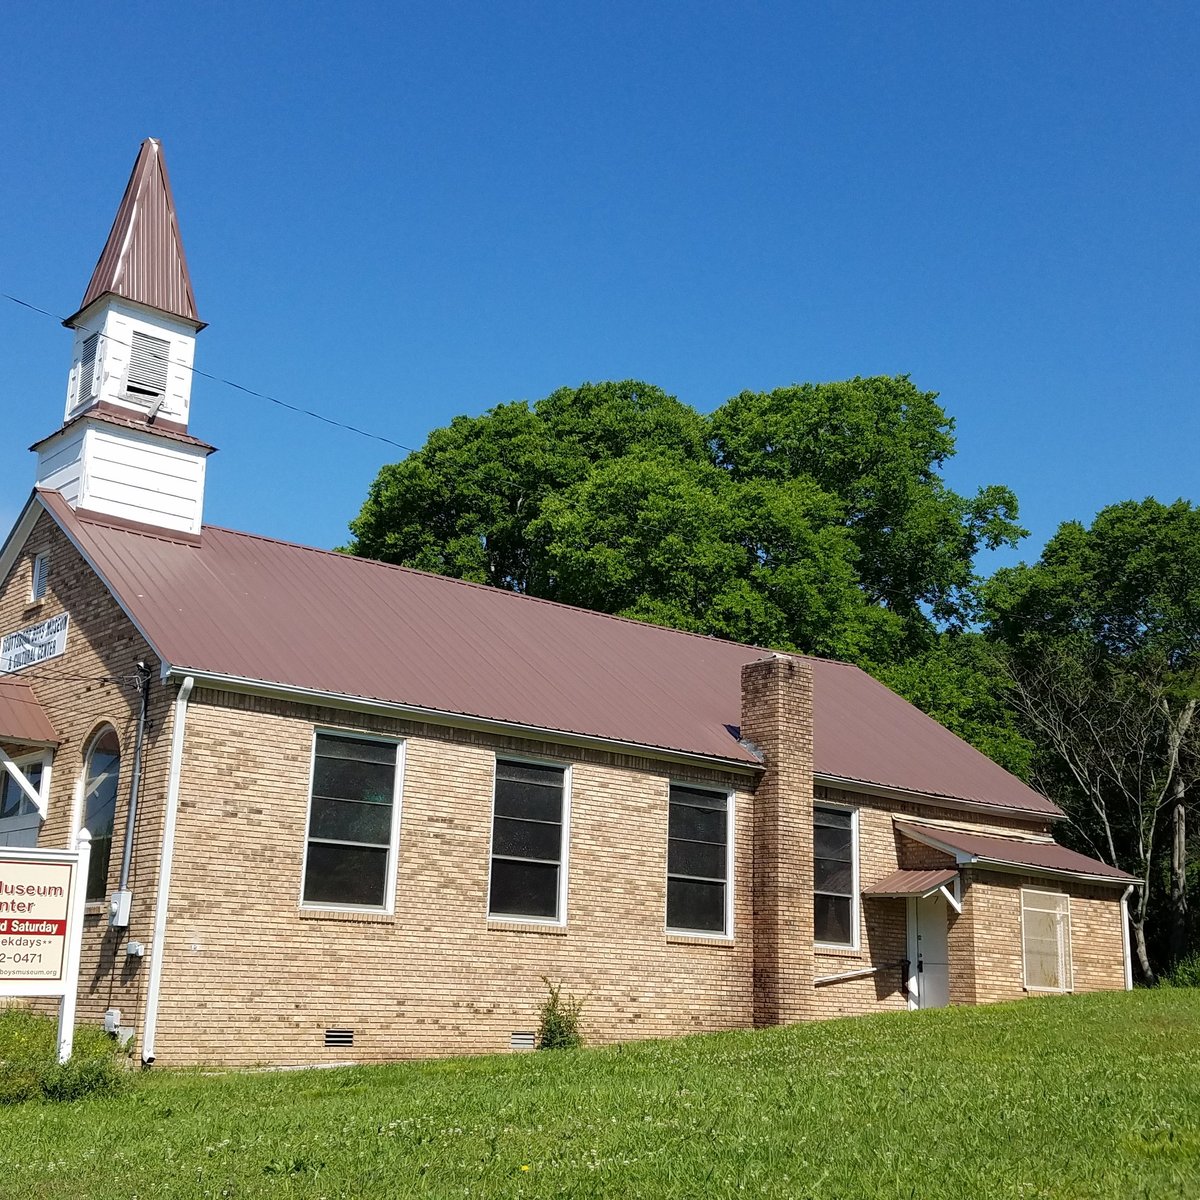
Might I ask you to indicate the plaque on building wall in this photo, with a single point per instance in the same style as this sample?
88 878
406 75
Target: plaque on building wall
33 644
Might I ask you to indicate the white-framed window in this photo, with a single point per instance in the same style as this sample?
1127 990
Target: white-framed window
101 780
20 821
835 876
353 822
39 576
699 861
530 815
1046 940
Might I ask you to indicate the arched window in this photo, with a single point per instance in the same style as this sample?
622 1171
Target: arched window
100 780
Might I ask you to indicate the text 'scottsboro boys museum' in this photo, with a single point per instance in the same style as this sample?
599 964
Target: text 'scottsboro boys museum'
344 811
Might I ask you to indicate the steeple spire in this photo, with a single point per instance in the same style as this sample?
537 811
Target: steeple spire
124 447
143 259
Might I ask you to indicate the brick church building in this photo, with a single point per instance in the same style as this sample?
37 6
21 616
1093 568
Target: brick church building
346 811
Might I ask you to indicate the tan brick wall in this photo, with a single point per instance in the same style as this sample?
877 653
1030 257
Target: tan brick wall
92 684
992 907
251 977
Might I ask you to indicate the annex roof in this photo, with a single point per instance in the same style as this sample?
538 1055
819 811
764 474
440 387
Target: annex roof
251 608
912 883
23 721
1038 857
143 259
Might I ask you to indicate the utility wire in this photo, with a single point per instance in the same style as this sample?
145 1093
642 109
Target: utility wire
249 391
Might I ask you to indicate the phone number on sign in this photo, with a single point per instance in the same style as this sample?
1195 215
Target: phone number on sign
23 956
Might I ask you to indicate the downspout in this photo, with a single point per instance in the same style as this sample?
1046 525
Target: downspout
150 1025
1126 956
135 784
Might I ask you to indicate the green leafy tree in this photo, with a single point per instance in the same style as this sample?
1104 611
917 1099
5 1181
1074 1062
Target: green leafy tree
811 518
1102 642
878 445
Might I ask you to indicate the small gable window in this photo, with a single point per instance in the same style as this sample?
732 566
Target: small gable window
835 907
39 576
351 823
527 841
698 861
101 779
1046 940
147 366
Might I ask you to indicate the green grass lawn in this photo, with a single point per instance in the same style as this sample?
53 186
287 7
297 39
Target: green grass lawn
1071 1097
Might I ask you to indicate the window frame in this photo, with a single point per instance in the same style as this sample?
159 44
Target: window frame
24 763
727 933
1068 967
388 907
564 848
855 943
99 731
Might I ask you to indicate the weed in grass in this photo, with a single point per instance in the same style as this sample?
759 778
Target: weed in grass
558 1027
29 1066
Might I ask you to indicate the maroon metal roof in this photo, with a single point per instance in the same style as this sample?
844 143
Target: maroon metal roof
23 720
112 414
143 259
255 608
865 733
911 883
1036 857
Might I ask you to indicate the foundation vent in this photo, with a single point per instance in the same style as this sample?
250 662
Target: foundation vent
339 1037
522 1041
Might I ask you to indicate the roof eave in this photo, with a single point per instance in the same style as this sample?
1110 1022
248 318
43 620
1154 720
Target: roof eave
73 320
943 801
261 687
966 858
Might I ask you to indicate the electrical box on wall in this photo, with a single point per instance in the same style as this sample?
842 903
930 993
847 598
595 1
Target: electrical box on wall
118 909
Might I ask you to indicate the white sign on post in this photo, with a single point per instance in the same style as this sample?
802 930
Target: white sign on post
42 894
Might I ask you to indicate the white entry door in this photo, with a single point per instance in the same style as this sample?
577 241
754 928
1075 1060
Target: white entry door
929 950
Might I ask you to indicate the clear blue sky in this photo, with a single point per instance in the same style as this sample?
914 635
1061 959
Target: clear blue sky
395 213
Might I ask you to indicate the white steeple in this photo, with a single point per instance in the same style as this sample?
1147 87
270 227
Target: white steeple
124 448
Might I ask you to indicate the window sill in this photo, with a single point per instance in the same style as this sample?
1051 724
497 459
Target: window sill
719 941
347 916
554 930
838 951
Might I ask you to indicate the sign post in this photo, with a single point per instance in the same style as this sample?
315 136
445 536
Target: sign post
42 895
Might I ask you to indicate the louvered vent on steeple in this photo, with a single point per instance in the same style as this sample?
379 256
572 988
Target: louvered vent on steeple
86 386
148 358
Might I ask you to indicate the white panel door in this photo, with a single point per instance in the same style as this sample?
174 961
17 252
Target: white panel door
933 956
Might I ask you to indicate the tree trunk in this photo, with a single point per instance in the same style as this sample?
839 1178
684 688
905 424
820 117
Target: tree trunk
1138 926
1179 908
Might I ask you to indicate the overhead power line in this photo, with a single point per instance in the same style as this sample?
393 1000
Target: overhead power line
240 387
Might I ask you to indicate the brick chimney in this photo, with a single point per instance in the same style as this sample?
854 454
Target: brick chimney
777 717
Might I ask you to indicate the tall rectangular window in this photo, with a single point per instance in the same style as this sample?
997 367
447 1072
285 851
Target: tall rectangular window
835 906
527 841
350 822
1046 940
697 860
